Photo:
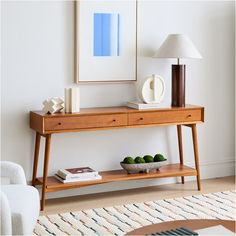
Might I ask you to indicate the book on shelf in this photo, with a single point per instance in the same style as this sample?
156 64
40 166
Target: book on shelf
77 172
142 106
78 179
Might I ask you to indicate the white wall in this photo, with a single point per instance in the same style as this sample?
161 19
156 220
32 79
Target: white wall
37 63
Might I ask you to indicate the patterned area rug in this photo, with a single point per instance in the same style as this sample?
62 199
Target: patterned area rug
119 220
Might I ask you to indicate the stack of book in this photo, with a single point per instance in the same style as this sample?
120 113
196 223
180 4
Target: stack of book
143 106
77 174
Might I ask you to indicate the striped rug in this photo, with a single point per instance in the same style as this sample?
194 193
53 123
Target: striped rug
119 220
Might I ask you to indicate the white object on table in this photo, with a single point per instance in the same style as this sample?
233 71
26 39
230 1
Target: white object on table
145 106
53 105
72 100
153 89
75 102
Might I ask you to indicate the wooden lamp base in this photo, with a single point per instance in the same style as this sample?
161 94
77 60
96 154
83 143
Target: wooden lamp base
178 86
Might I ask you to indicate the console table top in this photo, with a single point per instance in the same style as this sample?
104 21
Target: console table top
115 109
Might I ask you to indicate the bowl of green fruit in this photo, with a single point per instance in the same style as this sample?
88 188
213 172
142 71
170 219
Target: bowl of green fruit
143 164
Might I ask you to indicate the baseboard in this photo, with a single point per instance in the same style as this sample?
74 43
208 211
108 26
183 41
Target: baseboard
228 160
215 169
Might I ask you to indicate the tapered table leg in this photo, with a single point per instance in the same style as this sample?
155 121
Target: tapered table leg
179 131
195 147
36 157
45 169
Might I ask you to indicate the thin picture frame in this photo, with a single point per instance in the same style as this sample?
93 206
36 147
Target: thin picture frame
77 44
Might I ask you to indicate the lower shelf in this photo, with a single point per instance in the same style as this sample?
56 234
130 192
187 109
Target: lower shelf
171 170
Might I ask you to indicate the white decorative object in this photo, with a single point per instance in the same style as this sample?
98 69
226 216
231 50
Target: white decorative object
53 105
153 89
19 209
67 100
72 101
145 106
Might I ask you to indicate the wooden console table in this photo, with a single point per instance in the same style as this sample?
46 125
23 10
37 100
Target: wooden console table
111 118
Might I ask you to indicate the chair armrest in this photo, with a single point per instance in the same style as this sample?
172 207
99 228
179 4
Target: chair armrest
13 172
5 215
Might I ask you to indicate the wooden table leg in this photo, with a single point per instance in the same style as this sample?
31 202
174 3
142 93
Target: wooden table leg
195 147
36 157
179 131
45 169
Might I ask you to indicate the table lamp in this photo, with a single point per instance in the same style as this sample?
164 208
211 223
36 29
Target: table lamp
177 46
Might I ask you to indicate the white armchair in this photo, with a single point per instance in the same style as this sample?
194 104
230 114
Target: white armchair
19 202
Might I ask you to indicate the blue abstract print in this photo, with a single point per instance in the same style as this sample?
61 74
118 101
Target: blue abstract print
106 34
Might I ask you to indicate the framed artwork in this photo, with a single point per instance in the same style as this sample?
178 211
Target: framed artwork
105 40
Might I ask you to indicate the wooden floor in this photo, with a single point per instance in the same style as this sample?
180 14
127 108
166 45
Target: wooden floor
77 203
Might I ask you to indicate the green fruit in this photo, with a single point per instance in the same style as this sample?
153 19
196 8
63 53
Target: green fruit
129 160
159 157
139 160
148 158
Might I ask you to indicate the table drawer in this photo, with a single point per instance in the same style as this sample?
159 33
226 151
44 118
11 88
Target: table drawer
162 117
84 122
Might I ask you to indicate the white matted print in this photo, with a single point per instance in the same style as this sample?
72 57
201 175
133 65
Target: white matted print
106 40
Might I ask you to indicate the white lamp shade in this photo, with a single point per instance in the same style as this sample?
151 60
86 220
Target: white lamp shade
177 46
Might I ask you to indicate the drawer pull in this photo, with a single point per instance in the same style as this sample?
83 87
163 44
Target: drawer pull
141 118
114 120
188 116
59 123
